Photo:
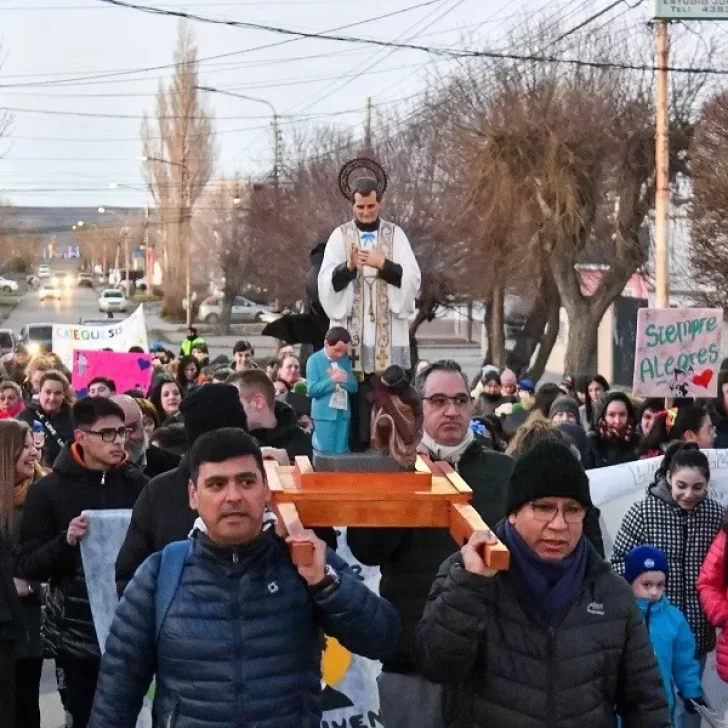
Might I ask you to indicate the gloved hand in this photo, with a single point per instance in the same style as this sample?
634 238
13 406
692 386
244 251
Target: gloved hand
689 704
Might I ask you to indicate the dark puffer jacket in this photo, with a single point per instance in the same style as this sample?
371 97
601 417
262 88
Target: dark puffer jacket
410 557
685 537
43 553
240 645
504 667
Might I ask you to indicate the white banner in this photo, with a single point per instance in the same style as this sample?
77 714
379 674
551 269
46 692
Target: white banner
117 336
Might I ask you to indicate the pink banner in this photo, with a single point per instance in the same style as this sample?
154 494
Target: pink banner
678 352
128 371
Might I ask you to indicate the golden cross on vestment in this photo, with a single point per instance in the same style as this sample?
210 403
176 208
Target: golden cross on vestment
382 358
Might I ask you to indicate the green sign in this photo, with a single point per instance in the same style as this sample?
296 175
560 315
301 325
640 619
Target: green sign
689 9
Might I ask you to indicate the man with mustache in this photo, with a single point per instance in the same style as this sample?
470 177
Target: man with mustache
237 640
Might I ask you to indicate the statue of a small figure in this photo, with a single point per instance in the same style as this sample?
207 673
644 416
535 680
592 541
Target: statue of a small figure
396 416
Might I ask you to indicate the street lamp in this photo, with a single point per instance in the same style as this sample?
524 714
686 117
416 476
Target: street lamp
182 224
276 129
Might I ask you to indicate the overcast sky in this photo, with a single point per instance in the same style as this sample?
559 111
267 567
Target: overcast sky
91 139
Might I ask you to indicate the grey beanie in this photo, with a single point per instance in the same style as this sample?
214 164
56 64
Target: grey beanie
565 404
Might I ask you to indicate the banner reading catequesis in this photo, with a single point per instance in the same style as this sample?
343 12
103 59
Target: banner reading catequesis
677 353
117 336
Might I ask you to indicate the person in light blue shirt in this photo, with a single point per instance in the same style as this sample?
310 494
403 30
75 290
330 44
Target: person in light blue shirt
330 382
646 569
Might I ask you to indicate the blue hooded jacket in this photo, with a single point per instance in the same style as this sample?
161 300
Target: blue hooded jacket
674 646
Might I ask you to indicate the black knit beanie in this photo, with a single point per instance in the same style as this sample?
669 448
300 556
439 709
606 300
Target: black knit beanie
211 407
549 469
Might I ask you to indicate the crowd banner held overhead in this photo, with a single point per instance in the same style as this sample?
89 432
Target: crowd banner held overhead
689 9
678 352
349 694
118 336
129 371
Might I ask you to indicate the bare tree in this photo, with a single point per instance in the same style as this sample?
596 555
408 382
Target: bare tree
179 151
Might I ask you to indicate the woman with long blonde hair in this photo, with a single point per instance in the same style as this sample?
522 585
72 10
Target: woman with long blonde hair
19 469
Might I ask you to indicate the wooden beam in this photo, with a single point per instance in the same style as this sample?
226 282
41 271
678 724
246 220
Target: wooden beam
301 553
464 520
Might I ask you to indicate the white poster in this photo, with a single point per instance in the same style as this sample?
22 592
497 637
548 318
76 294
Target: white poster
117 336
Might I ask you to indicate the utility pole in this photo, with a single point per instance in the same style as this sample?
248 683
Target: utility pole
662 171
276 150
127 261
368 128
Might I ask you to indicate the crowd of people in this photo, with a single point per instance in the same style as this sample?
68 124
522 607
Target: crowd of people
214 609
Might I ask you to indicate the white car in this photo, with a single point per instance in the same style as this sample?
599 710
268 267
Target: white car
243 310
8 286
112 300
50 292
44 271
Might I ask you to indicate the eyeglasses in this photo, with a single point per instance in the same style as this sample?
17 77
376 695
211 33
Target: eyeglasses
109 434
440 401
546 512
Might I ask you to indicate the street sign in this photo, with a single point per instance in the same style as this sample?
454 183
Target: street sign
689 9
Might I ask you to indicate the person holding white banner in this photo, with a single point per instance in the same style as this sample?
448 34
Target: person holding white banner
679 518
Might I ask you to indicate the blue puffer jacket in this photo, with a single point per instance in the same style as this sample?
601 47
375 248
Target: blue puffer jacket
674 646
240 645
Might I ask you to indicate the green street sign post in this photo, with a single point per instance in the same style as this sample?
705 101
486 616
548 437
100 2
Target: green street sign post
689 9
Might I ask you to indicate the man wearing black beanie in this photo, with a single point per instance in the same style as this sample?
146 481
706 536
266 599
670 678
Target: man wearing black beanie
162 513
555 641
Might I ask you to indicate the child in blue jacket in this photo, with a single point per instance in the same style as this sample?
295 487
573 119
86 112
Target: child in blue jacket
646 569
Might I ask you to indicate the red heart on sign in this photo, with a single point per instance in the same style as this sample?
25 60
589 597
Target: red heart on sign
703 379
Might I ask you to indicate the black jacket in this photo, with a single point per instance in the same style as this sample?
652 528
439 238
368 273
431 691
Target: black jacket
11 616
61 422
505 667
159 461
43 553
410 557
601 453
161 515
286 435
720 421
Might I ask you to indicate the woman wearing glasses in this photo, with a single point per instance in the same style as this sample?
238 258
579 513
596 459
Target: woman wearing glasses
679 518
90 474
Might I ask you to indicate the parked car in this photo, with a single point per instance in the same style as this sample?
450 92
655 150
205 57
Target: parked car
7 341
37 338
85 280
50 292
243 310
44 271
113 300
8 286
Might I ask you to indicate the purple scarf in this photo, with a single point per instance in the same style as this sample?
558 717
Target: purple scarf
554 585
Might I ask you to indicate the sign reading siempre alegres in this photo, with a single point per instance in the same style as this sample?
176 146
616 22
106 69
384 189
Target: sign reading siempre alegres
678 352
689 9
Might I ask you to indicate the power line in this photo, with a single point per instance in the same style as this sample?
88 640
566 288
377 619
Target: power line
165 66
451 52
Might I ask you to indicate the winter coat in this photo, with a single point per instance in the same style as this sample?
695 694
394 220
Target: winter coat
158 461
286 435
713 592
685 538
410 557
43 554
11 615
720 421
161 515
240 644
603 453
503 666
674 646
61 422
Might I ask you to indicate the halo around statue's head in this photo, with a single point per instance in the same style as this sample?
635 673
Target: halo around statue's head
361 164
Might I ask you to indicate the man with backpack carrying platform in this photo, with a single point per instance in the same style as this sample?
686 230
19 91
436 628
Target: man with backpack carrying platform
226 621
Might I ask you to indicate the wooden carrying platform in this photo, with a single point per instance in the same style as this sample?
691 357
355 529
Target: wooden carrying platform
434 496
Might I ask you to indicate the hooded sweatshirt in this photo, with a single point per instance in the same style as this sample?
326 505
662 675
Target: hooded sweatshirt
685 538
674 647
43 553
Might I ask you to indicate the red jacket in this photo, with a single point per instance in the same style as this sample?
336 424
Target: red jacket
713 593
